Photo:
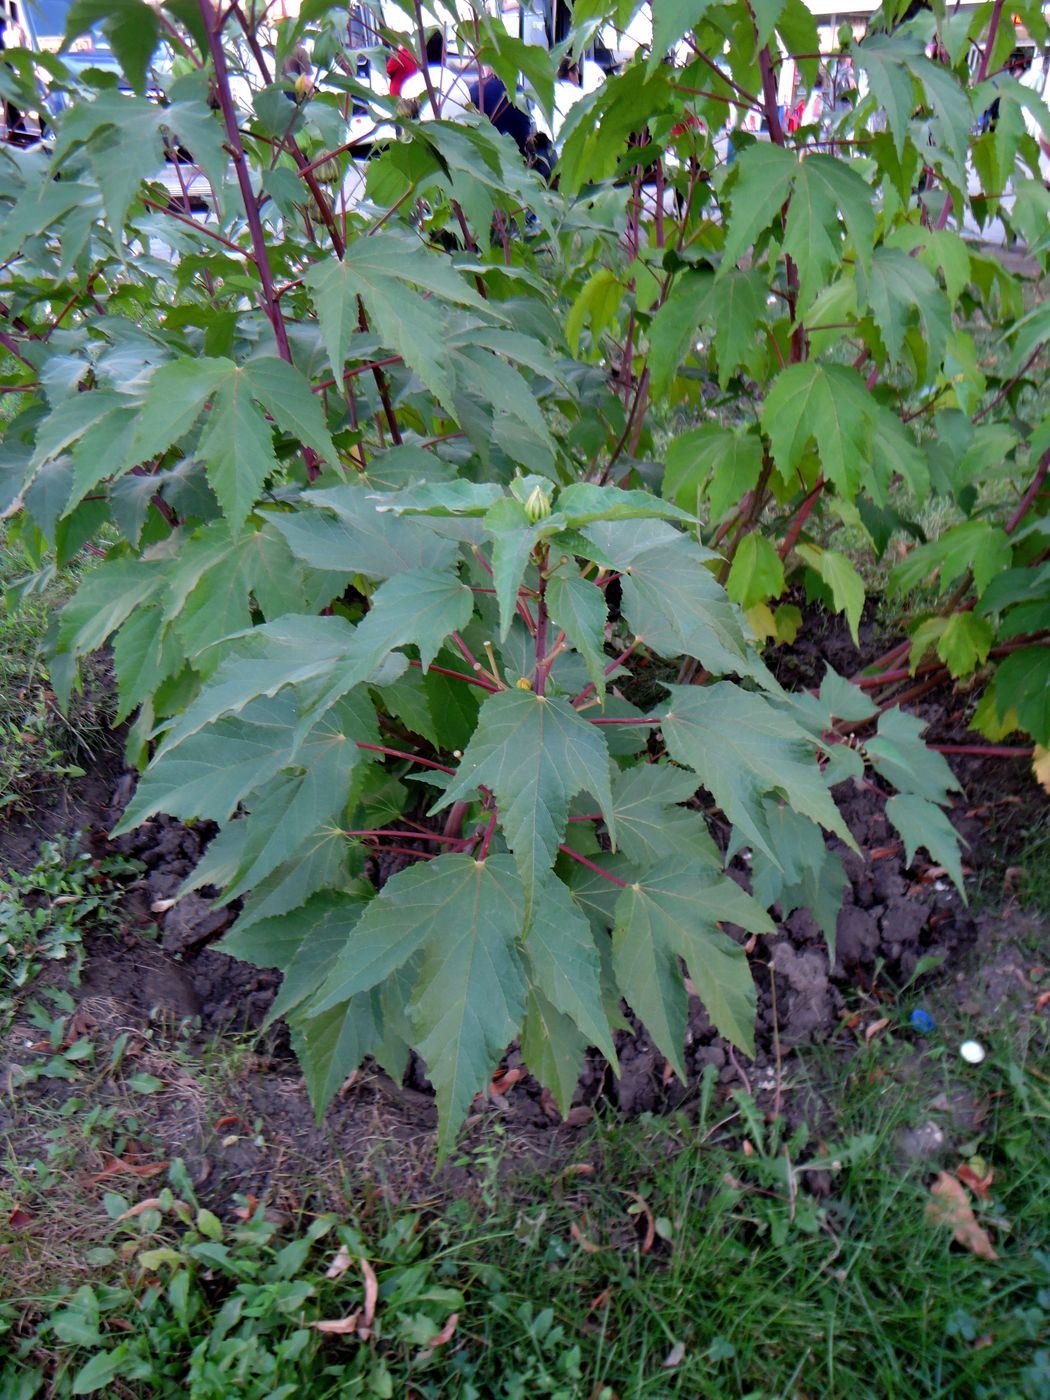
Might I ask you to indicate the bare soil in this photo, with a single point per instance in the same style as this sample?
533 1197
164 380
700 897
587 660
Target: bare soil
233 1104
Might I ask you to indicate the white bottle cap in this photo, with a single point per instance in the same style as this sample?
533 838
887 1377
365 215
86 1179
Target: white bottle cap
972 1052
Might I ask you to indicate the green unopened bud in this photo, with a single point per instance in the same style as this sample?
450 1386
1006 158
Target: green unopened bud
538 506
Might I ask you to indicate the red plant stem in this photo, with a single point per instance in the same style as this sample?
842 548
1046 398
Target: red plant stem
983 750
11 347
800 519
590 817
602 719
1030 495
989 43
410 835
1011 382
213 20
412 758
357 369
608 671
613 879
459 676
486 840
197 227
466 652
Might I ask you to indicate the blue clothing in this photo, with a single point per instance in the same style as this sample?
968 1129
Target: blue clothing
491 98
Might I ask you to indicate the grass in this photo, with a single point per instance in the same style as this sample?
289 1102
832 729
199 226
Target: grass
716 1254
39 745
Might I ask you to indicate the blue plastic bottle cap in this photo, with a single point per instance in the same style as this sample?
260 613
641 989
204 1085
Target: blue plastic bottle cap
923 1022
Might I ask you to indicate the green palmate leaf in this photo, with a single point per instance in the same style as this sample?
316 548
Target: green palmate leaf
742 748
736 307
564 965
764 175
331 1046
581 504
383 273
675 605
552 1047
360 536
826 403
1022 686
289 652
901 292
882 58
513 539
578 608
311 798
671 913
145 652
809 875
671 20
826 190
534 753
713 461
302 945
673 332
417 609
650 824
845 701
922 823
757 572
898 754
131 27
965 643
463 919
975 544
846 585
105 599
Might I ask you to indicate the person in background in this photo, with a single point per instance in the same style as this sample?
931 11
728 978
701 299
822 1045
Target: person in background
489 95
451 94
568 90
399 66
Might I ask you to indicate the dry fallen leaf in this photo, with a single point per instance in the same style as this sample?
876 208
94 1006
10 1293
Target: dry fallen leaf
951 1206
150 1203
581 1239
340 1263
874 1029
338 1326
978 1184
371 1298
674 1357
116 1166
1041 766
445 1335
640 1208
19 1218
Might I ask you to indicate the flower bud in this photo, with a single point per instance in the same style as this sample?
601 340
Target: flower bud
523 683
538 506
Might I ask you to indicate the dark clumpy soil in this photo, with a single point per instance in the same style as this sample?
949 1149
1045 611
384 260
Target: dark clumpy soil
161 980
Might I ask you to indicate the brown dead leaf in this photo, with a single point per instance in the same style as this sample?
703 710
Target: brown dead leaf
340 1263
1041 767
978 1184
951 1206
19 1218
874 1029
120 1166
641 1208
1043 999
445 1335
371 1298
150 1203
581 1239
337 1326
505 1080
883 852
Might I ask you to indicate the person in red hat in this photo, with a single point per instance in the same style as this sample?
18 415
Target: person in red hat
399 66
